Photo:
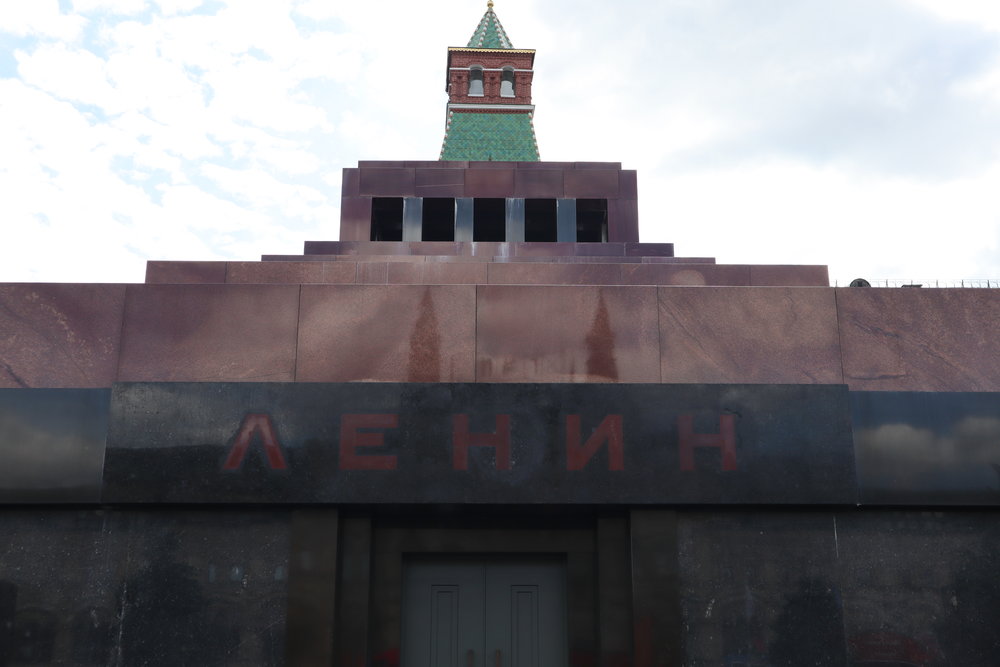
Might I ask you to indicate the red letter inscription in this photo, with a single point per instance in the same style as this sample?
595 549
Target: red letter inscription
462 440
256 423
352 439
609 431
725 440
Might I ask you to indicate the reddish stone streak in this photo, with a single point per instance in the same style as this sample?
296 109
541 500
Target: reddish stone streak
256 423
352 439
462 439
724 440
608 431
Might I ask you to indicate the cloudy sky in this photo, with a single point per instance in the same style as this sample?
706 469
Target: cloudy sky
861 134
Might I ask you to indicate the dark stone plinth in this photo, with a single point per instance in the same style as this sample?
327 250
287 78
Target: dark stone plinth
479 443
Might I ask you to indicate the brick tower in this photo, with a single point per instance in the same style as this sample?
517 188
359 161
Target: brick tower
489 98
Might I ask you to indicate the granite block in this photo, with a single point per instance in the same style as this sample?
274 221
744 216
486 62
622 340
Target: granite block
201 333
53 445
658 250
789 276
355 220
387 182
920 339
59 335
623 220
491 164
685 274
436 248
435 273
350 185
492 182
672 260
538 183
278 272
598 165
435 164
294 272
566 334
159 272
397 333
554 274
569 249
628 187
373 273
593 183
439 182
531 166
748 334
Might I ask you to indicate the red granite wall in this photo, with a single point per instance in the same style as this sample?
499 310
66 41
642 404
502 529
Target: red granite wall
870 339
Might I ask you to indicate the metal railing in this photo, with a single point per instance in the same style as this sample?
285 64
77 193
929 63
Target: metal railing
983 283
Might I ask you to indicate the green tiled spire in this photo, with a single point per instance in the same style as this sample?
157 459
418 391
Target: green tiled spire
490 34
490 136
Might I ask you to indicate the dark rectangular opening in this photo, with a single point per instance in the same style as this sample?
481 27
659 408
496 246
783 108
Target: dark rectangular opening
387 219
591 220
439 219
489 220
540 220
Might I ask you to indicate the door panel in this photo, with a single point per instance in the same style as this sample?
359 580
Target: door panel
484 613
444 614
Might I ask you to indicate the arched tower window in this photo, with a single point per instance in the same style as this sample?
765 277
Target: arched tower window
507 82
476 82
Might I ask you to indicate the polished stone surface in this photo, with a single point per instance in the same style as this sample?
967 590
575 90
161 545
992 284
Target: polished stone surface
927 448
439 183
386 333
735 334
538 183
160 272
355 220
291 272
372 273
760 588
479 443
858 588
680 274
554 274
59 335
789 276
386 182
209 333
126 588
920 588
437 273
52 444
566 334
494 182
920 339
591 183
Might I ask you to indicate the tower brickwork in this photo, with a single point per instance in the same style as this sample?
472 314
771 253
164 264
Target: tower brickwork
490 114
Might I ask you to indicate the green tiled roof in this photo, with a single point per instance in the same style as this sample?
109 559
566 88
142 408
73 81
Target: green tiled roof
489 33
490 136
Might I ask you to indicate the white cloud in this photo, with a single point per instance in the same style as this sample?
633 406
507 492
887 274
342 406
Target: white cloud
981 12
126 7
40 18
171 7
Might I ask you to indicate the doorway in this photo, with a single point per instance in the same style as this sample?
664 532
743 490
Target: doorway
482 612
